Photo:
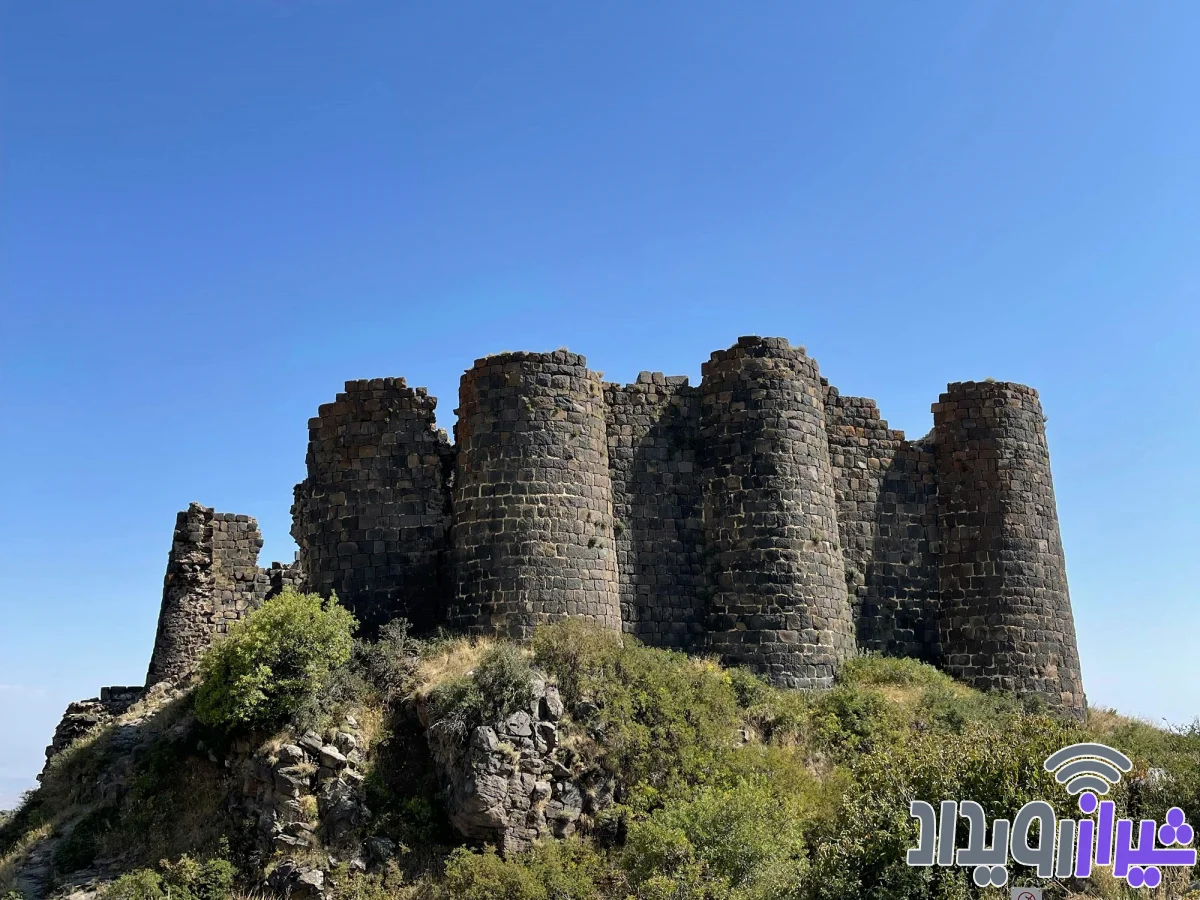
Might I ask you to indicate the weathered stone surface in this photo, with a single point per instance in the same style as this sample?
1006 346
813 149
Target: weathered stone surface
371 517
532 539
332 757
300 882
503 788
212 580
1005 617
887 520
653 439
777 597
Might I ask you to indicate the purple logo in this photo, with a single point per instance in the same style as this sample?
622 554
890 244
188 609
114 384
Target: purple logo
1063 847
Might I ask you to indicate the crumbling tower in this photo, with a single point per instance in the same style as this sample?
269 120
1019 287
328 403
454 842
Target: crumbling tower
776 587
1006 617
533 532
212 581
372 516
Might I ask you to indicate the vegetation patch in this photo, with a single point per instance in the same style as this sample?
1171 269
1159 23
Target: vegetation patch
723 787
273 661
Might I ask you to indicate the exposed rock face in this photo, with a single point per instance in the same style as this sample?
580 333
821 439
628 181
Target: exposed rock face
309 792
83 716
506 782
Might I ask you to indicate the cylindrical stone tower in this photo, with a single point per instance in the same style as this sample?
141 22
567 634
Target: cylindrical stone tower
532 534
1006 614
777 597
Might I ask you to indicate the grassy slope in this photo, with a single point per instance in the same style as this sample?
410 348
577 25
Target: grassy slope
725 787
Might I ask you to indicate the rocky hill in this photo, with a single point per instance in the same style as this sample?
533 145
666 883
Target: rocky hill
581 764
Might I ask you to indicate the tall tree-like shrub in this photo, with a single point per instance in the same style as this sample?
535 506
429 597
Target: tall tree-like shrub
273 660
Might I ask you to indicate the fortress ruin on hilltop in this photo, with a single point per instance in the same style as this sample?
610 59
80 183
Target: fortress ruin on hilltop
759 515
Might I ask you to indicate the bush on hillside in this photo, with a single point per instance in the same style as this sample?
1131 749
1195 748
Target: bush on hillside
272 661
662 720
744 841
186 879
555 870
860 849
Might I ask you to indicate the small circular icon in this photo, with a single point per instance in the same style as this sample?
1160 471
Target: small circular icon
1026 895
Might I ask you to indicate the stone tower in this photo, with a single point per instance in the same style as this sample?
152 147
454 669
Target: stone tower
777 596
371 518
533 532
212 580
1005 618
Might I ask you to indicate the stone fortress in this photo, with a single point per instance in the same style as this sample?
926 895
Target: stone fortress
759 516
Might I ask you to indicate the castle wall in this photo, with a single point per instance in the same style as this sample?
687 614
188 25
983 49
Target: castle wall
533 506
212 581
653 431
887 519
761 516
1006 617
373 515
776 576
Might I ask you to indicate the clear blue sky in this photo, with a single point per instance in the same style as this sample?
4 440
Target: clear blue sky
214 213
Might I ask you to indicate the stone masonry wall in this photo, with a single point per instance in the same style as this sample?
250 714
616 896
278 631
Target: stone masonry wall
372 517
776 576
212 580
1006 618
887 518
533 531
653 433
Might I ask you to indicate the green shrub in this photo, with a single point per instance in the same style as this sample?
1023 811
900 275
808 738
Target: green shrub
390 661
661 720
871 668
28 815
273 661
140 884
554 870
848 719
190 879
859 850
743 841
456 706
505 680
186 879
577 653
748 689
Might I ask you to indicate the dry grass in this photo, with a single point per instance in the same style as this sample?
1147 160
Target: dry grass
455 659
1103 886
1104 721
370 725
11 861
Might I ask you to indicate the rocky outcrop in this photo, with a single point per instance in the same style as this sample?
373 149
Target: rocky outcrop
508 782
303 793
85 716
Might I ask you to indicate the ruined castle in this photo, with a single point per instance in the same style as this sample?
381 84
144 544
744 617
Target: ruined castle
759 515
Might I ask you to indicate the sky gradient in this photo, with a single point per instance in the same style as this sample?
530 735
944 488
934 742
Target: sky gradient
213 214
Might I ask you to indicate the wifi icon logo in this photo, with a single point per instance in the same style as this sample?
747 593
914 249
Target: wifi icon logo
1087 767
